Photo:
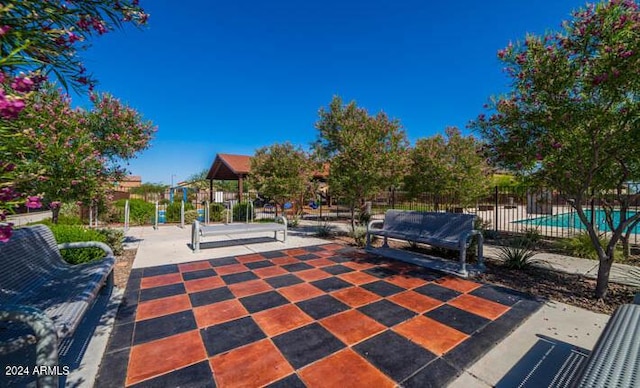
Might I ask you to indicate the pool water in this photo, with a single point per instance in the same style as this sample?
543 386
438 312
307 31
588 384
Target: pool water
571 220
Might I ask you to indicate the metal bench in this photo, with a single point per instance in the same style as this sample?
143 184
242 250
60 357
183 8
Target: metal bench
198 230
615 359
444 230
42 298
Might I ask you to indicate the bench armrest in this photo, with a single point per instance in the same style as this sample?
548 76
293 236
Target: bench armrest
284 220
374 222
88 244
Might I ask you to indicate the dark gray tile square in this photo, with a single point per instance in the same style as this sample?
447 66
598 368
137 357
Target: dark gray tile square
202 298
336 269
239 277
223 261
394 355
194 376
307 256
230 335
273 254
165 326
438 292
464 321
259 264
498 294
383 288
380 272
295 267
331 284
438 373
161 270
283 281
291 381
161 292
199 274
264 301
387 313
322 306
307 344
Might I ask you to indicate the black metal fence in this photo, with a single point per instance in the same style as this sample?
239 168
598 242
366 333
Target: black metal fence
516 210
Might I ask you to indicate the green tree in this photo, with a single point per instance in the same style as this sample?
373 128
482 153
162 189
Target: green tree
149 190
449 166
76 154
367 154
571 118
42 38
282 173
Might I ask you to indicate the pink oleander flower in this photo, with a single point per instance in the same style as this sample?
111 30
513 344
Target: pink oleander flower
22 84
5 232
8 194
33 202
10 108
4 30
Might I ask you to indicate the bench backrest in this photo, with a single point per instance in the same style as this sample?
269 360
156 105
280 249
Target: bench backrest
28 259
444 226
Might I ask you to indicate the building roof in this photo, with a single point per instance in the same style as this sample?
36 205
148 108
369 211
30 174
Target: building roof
229 167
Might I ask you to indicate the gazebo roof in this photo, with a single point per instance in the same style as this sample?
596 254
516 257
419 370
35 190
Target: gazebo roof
229 167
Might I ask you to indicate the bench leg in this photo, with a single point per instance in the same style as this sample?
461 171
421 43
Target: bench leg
385 245
463 262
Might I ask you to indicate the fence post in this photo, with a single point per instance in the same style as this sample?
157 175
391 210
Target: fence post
126 215
155 226
182 214
207 216
495 218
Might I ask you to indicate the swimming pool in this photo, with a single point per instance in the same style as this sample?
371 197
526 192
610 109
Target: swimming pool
571 220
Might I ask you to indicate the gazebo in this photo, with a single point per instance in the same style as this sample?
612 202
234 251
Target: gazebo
229 167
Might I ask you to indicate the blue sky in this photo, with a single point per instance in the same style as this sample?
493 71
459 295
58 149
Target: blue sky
230 77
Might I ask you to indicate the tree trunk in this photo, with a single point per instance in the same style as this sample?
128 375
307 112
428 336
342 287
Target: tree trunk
353 217
55 211
604 269
626 247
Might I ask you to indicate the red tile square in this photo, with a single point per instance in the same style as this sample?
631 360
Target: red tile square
355 296
431 334
415 301
406 281
251 287
457 284
220 312
333 247
161 280
164 355
254 365
269 272
320 262
203 284
352 326
281 319
300 292
163 306
358 278
194 266
324 253
479 306
250 258
285 260
358 265
311 275
229 269
345 368
295 252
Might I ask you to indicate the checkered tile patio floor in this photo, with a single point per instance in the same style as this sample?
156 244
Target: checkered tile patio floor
324 315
